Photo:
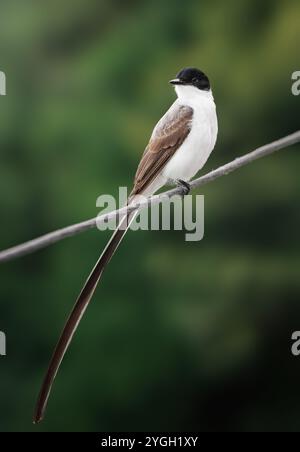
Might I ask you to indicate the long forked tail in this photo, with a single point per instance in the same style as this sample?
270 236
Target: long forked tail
77 313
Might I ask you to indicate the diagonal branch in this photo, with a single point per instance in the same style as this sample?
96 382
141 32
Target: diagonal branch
53 237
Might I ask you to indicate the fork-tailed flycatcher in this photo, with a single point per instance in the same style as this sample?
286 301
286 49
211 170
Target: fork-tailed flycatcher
179 146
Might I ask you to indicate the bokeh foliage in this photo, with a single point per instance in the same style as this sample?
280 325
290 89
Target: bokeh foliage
180 336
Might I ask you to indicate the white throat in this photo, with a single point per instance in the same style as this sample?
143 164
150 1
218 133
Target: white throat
190 95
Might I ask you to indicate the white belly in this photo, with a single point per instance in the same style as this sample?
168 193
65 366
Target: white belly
197 147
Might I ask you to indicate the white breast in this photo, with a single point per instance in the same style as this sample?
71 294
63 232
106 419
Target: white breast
195 150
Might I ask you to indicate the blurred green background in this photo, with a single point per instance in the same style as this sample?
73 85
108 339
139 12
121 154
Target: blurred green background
180 335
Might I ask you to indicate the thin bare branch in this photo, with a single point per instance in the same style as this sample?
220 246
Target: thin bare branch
53 237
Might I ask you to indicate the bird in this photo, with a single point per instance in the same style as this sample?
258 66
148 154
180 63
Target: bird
179 147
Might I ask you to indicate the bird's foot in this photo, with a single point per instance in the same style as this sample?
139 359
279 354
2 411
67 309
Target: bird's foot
186 188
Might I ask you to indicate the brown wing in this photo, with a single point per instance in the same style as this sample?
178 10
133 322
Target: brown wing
167 137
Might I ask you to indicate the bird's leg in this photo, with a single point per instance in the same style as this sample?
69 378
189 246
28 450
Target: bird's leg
186 188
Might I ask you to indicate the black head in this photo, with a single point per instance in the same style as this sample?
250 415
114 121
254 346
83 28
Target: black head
192 76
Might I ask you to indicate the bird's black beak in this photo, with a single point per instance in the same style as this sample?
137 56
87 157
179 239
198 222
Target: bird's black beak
176 81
